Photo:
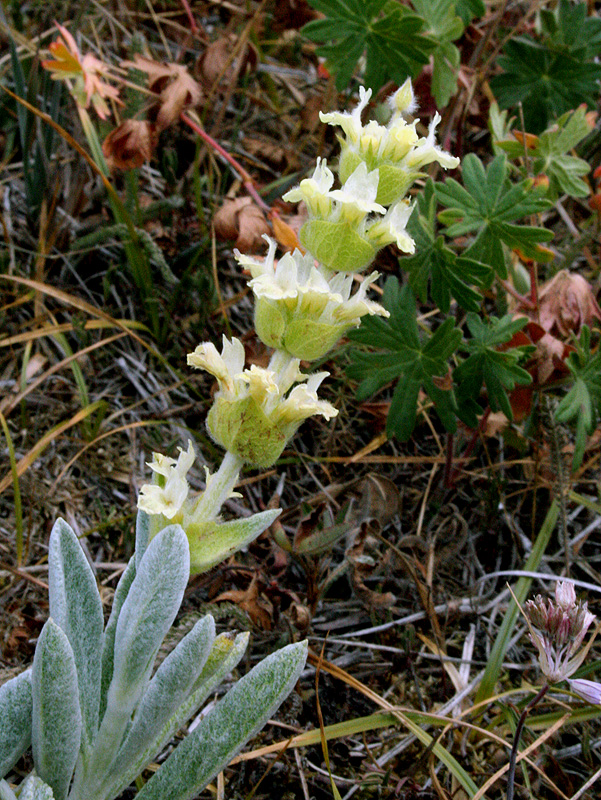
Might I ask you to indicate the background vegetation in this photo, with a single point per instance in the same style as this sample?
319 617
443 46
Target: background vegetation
466 452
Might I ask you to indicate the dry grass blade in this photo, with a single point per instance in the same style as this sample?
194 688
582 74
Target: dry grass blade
28 459
526 752
7 404
126 326
129 427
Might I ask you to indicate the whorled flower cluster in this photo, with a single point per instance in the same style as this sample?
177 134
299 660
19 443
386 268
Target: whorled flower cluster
303 306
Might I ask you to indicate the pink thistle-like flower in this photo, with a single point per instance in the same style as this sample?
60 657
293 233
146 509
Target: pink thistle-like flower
557 630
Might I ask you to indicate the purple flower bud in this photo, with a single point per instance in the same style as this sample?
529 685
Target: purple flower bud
565 595
588 690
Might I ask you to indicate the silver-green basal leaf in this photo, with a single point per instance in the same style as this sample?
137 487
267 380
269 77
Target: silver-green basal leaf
168 689
149 609
75 606
108 643
224 657
222 733
34 788
57 719
15 720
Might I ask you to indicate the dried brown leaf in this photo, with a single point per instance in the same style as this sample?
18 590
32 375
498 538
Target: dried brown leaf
130 144
216 63
248 600
566 303
176 88
242 220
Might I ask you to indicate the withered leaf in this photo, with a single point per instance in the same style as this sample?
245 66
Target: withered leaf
176 88
130 144
248 600
566 303
242 220
215 63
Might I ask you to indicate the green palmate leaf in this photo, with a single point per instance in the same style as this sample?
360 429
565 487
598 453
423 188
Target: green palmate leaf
15 720
444 26
76 607
468 9
390 35
549 155
215 741
56 718
488 204
555 74
569 29
498 370
416 360
434 264
583 401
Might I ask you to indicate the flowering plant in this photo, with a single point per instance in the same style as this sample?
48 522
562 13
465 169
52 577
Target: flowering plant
303 307
90 707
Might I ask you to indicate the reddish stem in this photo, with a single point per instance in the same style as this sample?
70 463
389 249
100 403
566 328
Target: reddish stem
470 446
188 10
246 178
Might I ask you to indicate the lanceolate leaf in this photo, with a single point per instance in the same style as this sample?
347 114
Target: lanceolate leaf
169 688
76 607
57 720
149 609
416 360
108 643
215 741
224 657
35 789
487 205
15 720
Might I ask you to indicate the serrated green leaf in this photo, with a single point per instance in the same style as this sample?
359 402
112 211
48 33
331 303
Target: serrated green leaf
56 718
436 265
223 732
582 403
415 360
549 154
15 720
444 26
498 370
468 9
555 74
389 34
488 203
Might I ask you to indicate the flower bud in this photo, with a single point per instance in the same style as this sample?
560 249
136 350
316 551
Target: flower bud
588 690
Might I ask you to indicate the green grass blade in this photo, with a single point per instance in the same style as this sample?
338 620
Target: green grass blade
493 669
